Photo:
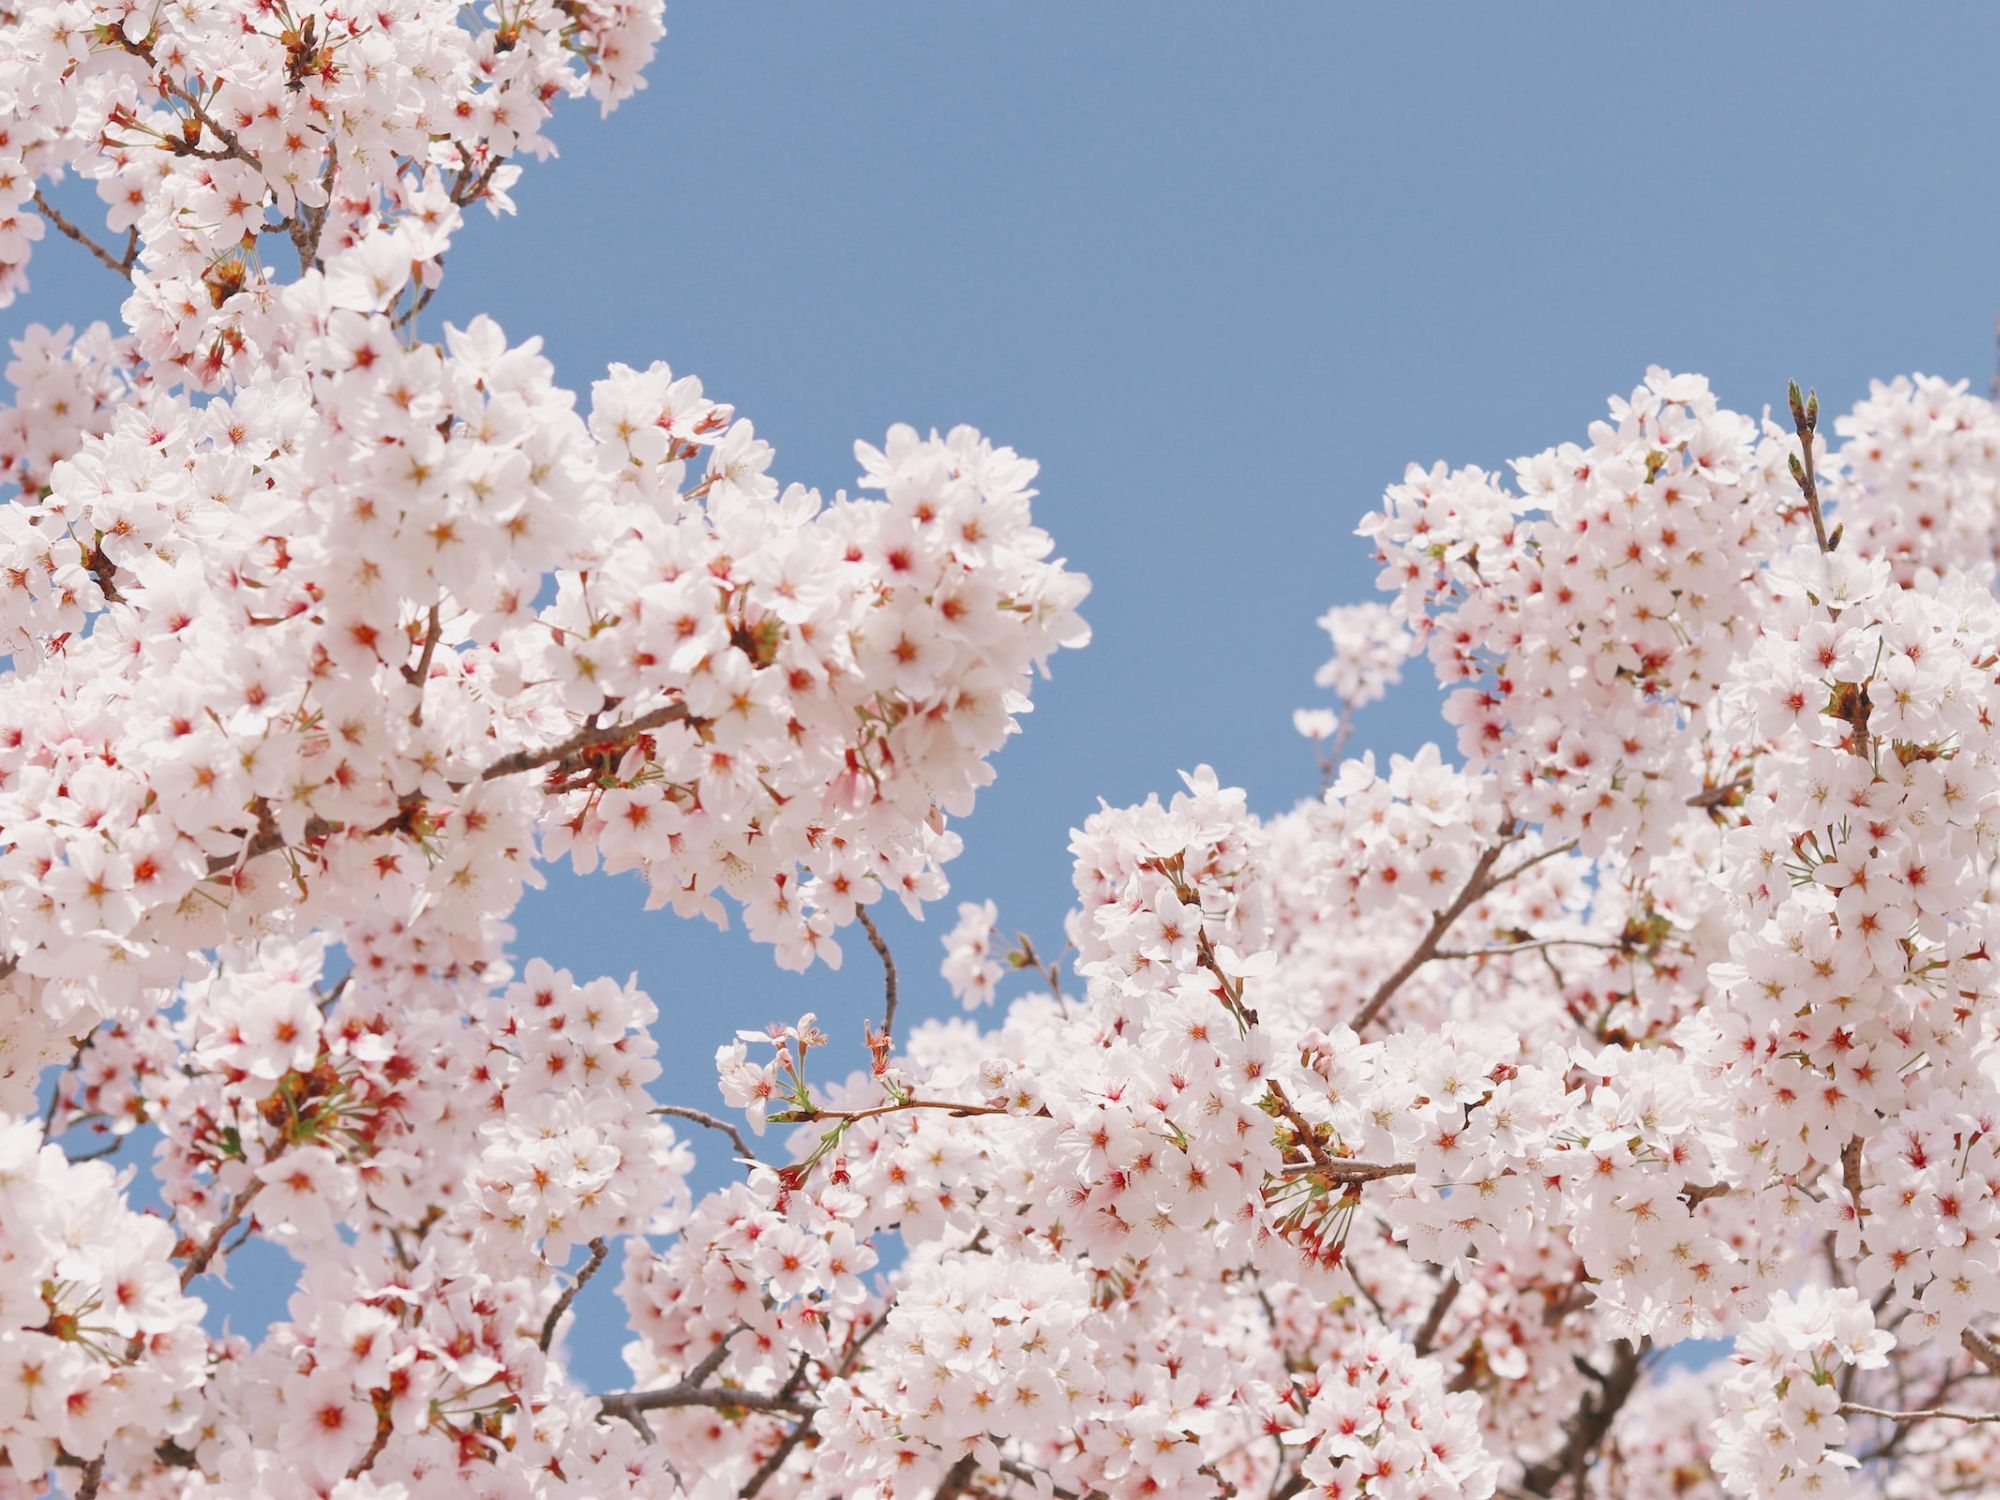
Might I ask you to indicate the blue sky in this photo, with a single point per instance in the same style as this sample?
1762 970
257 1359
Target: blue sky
1224 271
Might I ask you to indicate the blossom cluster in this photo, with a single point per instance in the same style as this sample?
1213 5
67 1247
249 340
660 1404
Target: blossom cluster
1377 1147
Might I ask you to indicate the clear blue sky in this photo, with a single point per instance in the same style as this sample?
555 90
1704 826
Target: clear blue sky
1224 271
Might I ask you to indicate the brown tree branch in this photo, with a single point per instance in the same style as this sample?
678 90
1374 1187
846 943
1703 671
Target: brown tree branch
1341 1169
1981 1348
49 211
1434 1319
1592 1421
420 674
1308 1138
1481 882
268 838
1805 421
1933 1414
206 1251
1533 945
385 1423
598 1251
888 972
725 1398
957 1480
702 1117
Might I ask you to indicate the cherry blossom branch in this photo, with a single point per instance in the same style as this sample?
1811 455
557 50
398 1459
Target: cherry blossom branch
530 760
1481 882
692 1390
813 1114
1592 1421
418 675
1932 1414
231 145
418 303
786 1446
725 1396
468 190
598 1251
634 1403
1227 989
54 215
517 763
1534 945
385 1423
310 223
269 838
1850 1173
1308 1138
702 1117
1341 1169
1719 796
957 1479
1026 1475
881 947
1981 1348
710 1362
1025 957
55 1093
803 1426
199 1261
1805 420
1434 1319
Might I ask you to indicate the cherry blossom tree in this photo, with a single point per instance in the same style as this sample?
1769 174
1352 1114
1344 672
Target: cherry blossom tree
1385 1147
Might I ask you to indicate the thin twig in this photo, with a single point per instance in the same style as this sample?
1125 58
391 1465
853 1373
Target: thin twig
529 760
418 303
1434 1319
710 1362
702 1117
1483 881
815 1115
385 1423
198 1262
776 1459
1805 420
1475 886
1021 1471
888 971
1533 946
1936 1413
598 1251
1716 796
55 1093
231 145
788 1444
1309 1141
269 838
420 674
692 1390
727 1397
54 215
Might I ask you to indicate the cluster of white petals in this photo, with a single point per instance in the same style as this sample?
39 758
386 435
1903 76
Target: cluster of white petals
1379 1147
